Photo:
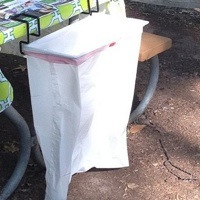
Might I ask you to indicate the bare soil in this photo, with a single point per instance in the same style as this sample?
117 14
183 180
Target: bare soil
165 155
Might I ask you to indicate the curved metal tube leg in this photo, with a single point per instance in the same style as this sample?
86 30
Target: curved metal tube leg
25 149
152 83
36 151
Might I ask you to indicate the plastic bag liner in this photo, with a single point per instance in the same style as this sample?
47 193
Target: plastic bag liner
82 80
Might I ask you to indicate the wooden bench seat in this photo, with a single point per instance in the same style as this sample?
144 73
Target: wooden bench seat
152 45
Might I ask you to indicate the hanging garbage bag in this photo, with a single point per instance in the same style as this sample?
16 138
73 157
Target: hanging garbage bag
6 93
82 80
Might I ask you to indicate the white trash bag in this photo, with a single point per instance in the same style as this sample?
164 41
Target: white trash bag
82 81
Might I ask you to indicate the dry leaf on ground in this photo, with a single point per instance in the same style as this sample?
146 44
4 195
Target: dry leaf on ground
135 128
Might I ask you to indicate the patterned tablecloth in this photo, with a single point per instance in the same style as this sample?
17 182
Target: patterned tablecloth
6 93
49 13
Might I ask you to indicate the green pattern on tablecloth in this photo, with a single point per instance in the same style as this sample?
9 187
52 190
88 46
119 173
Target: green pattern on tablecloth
6 93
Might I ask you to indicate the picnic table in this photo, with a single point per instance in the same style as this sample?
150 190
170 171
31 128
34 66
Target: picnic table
45 14
15 23
27 19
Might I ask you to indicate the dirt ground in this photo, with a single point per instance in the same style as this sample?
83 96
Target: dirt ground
165 155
